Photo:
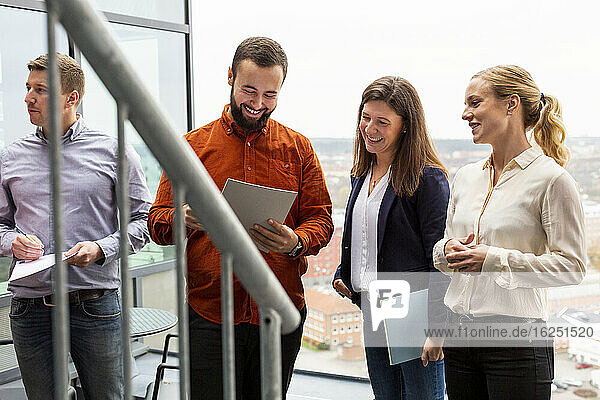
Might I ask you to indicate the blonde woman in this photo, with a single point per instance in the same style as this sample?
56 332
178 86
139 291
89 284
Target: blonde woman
514 227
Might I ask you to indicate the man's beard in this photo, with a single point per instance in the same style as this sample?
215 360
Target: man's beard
247 124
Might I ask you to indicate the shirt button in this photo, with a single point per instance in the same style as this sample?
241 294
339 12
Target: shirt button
249 168
249 144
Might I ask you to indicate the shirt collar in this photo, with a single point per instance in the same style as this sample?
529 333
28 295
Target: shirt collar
72 133
230 126
523 160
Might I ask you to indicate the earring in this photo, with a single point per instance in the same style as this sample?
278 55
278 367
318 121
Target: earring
509 112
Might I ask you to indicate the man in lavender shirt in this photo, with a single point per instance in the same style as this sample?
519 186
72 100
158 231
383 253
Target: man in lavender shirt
89 187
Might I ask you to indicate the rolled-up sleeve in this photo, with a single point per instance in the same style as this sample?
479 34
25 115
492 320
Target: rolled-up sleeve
161 215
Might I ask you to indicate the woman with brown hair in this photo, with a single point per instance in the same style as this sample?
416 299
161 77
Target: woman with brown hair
515 227
395 214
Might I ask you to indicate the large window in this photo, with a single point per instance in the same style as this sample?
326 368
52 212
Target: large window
19 26
171 11
335 52
154 36
159 59
159 56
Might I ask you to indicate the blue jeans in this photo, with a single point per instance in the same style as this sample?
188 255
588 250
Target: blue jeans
95 346
409 380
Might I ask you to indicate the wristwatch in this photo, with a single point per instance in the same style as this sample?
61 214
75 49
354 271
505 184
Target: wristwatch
296 250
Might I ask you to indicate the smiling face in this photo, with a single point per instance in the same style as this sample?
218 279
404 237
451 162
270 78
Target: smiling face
487 115
381 128
254 94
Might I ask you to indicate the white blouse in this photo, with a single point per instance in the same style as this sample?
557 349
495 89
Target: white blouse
363 254
533 223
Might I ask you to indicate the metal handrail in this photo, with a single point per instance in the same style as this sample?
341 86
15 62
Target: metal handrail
87 29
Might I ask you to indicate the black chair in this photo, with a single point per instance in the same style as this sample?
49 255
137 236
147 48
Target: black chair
160 370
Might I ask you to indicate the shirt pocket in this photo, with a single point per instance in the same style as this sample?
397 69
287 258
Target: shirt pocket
284 175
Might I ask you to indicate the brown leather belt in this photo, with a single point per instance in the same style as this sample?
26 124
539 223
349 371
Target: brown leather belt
75 297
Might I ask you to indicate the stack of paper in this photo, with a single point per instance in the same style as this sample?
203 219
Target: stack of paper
26 268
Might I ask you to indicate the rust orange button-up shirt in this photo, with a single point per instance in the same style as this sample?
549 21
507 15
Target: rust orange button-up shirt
277 157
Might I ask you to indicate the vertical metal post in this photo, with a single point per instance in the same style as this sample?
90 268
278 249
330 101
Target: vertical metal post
181 268
227 332
189 59
270 354
60 314
126 289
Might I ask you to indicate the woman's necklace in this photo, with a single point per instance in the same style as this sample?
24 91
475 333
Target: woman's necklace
374 180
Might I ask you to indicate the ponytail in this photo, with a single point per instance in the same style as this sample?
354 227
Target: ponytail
541 112
549 131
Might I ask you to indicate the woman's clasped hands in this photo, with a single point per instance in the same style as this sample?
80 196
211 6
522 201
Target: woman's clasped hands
463 255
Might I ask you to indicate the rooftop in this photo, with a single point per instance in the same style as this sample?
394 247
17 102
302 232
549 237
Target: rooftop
328 302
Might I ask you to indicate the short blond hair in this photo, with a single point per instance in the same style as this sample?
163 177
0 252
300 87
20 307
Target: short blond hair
70 72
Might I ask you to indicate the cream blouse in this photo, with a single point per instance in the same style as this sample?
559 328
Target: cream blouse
533 223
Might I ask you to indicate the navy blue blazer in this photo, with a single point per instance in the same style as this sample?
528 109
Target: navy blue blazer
407 229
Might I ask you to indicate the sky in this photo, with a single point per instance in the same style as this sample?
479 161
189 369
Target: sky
336 48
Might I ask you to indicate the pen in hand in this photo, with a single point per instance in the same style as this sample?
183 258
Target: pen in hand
26 247
22 232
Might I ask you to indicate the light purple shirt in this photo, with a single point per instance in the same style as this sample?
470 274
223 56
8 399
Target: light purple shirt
89 184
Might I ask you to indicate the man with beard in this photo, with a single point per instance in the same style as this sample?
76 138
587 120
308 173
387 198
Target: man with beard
245 144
